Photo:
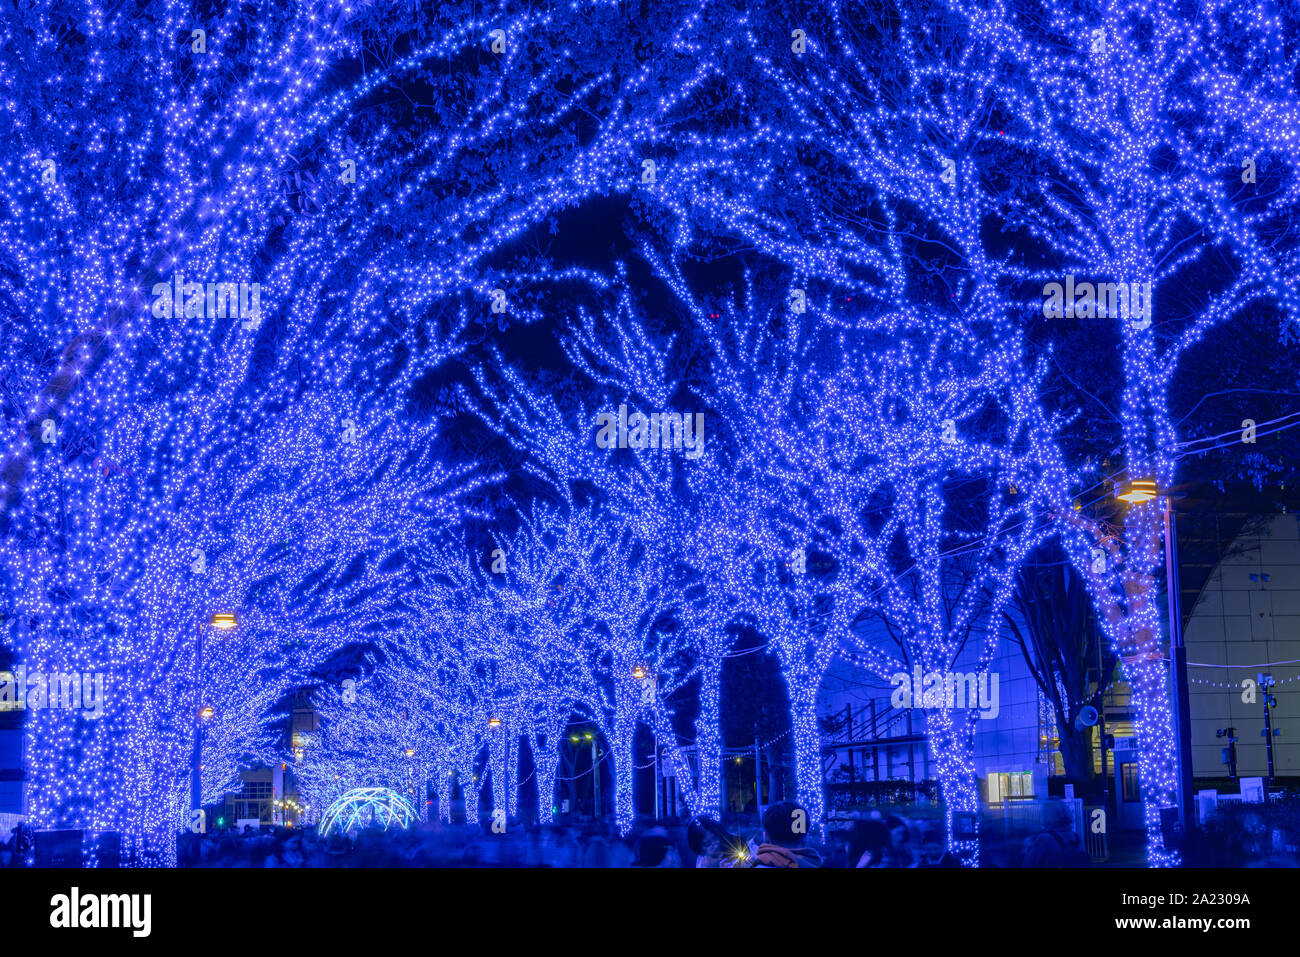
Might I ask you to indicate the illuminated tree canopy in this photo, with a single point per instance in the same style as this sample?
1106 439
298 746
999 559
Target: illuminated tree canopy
529 355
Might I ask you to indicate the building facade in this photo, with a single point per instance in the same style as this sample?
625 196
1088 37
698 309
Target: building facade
1244 623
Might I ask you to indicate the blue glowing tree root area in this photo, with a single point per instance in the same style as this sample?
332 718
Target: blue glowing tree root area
502 373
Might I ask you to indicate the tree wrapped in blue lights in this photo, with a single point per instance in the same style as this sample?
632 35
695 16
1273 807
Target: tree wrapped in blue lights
371 736
1160 175
535 601
932 448
490 633
608 440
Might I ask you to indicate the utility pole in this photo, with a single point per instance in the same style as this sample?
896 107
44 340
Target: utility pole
509 777
1101 723
1178 676
1266 681
658 782
196 759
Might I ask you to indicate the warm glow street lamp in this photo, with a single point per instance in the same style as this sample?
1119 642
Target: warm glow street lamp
1138 491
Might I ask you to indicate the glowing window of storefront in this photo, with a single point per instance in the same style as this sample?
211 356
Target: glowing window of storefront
1010 786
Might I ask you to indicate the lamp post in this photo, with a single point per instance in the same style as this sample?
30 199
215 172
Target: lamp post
595 774
642 674
496 724
222 621
1265 682
576 741
1137 492
417 794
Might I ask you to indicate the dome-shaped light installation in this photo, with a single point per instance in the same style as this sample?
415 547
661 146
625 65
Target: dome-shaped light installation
362 807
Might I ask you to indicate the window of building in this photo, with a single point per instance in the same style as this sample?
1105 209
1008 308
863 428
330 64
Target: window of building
1010 786
1132 788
